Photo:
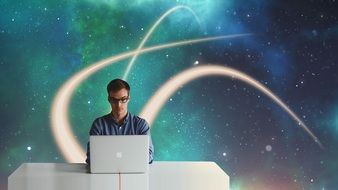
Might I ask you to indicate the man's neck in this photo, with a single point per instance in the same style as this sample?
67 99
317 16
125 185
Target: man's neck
119 119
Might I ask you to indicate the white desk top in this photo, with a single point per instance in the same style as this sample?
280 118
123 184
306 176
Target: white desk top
162 176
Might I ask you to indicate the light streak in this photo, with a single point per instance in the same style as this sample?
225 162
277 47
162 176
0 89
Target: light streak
152 29
161 96
63 135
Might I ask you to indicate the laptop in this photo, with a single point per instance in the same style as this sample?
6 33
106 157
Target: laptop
119 154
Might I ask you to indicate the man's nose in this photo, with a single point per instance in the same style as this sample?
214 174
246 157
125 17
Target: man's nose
118 103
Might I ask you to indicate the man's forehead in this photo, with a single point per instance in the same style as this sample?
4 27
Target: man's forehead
119 94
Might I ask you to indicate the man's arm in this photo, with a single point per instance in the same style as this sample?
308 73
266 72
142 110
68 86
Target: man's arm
94 130
145 130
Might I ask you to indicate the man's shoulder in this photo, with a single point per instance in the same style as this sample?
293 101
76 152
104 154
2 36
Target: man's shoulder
102 118
98 125
138 119
140 124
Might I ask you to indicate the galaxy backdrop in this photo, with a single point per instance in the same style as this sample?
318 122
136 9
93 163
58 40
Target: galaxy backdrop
292 50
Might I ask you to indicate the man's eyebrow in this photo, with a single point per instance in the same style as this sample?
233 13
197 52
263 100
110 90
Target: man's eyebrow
118 98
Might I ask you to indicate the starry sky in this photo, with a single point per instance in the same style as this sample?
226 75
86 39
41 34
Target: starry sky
292 51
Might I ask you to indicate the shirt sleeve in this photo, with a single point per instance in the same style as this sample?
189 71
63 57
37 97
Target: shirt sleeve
145 130
94 130
151 149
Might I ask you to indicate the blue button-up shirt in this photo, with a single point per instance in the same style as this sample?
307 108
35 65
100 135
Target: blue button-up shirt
132 125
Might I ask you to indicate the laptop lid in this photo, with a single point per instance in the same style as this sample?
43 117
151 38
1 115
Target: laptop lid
119 154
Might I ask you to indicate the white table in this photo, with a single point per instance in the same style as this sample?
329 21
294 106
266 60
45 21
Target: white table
162 176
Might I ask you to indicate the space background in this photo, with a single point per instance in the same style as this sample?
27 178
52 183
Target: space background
292 50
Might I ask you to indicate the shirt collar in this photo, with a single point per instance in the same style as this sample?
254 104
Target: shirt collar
126 119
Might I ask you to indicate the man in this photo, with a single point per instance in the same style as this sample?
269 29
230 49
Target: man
119 121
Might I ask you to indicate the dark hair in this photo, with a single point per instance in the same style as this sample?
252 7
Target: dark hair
116 85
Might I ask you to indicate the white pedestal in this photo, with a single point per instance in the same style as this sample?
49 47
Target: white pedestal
162 176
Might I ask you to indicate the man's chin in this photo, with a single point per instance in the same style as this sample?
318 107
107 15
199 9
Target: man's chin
120 114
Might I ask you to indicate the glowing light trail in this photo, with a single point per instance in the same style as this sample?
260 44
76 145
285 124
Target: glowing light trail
160 97
145 39
64 137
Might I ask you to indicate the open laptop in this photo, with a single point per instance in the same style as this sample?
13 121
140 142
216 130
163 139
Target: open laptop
119 154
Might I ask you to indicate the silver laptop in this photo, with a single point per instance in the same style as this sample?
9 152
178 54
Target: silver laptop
119 154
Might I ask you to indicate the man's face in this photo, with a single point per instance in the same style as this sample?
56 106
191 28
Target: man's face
119 102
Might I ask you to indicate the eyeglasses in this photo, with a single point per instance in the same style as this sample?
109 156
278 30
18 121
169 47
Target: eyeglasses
123 100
